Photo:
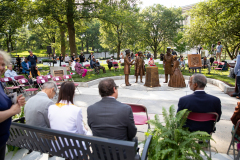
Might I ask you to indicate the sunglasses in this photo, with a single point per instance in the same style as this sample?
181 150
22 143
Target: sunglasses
116 87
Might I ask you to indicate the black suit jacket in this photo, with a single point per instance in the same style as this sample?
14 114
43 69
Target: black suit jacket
109 118
200 102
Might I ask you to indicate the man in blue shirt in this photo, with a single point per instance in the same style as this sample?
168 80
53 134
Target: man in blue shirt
10 73
32 58
26 65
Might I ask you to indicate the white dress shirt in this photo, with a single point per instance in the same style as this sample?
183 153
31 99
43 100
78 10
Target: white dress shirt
11 74
66 117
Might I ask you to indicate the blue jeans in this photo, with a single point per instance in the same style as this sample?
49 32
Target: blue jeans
91 64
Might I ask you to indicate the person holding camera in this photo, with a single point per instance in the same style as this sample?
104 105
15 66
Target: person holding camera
7 108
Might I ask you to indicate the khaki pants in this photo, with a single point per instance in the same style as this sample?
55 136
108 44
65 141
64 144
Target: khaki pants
218 55
97 69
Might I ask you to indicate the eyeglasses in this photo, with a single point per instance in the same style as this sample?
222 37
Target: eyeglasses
116 87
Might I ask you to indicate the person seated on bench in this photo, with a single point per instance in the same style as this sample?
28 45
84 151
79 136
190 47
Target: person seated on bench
26 65
7 108
64 115
79 68
96 65
200 102
10 72
206 64
36 108
110 118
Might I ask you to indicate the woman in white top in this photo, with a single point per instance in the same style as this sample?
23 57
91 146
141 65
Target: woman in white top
64 115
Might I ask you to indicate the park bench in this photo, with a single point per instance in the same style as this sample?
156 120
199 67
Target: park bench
73 146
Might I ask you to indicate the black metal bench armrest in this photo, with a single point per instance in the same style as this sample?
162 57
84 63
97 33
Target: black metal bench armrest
145 149
21 120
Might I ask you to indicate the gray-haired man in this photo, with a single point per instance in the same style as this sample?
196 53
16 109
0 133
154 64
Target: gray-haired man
36 108
200 102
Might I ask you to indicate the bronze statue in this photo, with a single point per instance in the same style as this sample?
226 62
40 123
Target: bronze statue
127 64
168 60
139 67
176 79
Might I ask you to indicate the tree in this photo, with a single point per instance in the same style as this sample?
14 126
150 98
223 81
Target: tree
215 20
119 20
67 13
179 43
13 16
160 25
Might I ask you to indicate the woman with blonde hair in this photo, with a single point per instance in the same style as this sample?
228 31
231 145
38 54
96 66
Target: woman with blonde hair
7 108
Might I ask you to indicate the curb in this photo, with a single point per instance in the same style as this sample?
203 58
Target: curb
224 87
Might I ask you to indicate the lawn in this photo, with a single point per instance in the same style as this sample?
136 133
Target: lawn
38 53
223 76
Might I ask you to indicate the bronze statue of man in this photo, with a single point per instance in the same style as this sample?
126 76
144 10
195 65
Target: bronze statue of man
168 61
127 64
139 67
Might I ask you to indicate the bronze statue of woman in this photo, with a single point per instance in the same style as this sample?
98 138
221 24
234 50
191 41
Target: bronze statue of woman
168 61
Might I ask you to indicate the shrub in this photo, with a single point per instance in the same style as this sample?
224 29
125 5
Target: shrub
173 141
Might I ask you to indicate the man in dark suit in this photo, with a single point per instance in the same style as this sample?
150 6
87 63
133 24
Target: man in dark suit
200 102
110 118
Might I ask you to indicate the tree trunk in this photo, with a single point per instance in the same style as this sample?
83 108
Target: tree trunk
70 25
53 41
155 51
92 46
118 49
82 47
62 37
87 45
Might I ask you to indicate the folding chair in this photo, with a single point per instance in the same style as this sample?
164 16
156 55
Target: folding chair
115 65
7 80
18 77
24 81
40 77
234 139
214 65
57 79
220 68
40 82
68 77
204 117
87 65
49 76
139 119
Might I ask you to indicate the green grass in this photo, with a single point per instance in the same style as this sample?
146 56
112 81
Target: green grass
38 53
223 76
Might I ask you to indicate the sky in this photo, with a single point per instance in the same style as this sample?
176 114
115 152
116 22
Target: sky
168 3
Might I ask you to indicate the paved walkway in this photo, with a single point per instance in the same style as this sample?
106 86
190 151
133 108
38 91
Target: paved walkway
154 101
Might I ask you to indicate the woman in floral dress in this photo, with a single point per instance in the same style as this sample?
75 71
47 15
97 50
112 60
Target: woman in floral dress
80 69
